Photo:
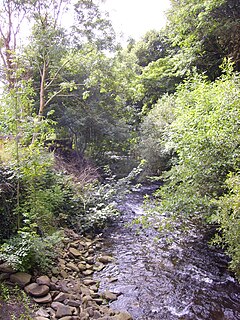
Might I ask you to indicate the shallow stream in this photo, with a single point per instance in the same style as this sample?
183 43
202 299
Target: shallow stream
185 280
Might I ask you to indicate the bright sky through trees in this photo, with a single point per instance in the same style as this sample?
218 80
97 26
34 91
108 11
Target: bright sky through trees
134 18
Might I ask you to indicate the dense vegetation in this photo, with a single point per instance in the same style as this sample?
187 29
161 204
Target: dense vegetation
75 104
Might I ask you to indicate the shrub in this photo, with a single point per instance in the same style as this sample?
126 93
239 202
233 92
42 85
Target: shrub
28 251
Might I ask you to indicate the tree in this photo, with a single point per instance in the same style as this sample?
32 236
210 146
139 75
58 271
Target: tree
12 15
207 30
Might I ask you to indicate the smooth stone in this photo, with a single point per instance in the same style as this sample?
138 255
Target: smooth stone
42 300
6 268
37 290
41 318
43 280
21 278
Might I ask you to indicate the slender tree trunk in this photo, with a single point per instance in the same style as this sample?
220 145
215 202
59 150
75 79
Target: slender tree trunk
42 90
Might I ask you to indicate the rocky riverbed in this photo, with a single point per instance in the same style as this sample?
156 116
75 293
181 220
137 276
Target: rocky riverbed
69 291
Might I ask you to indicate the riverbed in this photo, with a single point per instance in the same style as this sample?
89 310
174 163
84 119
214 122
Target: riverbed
158 279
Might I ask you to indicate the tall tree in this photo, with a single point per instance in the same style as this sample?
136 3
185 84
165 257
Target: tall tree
12 15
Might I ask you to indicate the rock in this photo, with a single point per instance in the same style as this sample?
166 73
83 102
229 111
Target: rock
6 268
89 282
61 297
56 304
42 300
42 313
72 303
41 318
4 276
84 315
76 253
43 280
122 316
87 272
63 311
96 314
110 296
21 278
37 290
99 266
72 266
64 274
55 271
105 259
82 266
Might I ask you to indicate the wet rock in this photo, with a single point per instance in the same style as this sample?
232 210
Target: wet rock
43 280
6 268
21 278
37 290
43 300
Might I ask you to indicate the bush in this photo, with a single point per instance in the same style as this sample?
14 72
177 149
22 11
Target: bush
154 144
8 186
228 219
27 251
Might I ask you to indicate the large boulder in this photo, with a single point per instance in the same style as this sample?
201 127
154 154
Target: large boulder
21 278
37 290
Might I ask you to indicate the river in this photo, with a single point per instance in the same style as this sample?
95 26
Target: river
185 279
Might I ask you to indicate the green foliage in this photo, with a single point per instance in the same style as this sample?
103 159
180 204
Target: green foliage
206 137
208 30
28 251
154 144
227 217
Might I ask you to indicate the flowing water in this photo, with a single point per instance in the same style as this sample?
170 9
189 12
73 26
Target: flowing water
155 280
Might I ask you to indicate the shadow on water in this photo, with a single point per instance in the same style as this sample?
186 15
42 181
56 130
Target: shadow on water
185 280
